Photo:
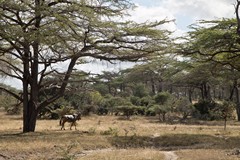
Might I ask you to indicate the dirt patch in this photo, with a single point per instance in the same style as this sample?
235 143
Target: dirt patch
170 155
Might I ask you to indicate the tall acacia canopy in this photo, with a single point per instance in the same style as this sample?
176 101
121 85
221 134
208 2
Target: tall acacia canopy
218 43
215 41
36 35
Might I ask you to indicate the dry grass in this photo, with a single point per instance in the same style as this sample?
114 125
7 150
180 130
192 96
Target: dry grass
204 154
107 137
123 154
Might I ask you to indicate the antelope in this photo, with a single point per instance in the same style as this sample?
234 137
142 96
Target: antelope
71 119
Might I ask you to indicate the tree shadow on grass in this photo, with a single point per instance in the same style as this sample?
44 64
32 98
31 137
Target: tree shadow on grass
44 135
176 141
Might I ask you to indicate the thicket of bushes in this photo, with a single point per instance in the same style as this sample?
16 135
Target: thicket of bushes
162 105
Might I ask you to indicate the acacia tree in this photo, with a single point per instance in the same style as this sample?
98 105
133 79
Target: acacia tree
216 41
35 36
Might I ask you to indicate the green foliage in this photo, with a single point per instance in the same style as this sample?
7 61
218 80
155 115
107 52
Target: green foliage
88 108
224 110
150 111
184 107
111 103
140 110
64 110
162 110
127 110
135 100
204 108
162 97
96 98
146 101
101 88
211 110
9 104
215 40
53 111
140 91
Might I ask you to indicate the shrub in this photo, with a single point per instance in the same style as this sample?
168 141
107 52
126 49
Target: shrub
150 111
146 101
140 110
139 90
224 111
102 111
203 109
135 100
162 97
127 110
87 109
162 110
111 103
63 110
184 107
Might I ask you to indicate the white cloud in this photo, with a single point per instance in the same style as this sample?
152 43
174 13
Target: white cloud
200 9
185 12
97 66
143 14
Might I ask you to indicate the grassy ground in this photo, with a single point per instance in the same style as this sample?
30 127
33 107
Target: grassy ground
109 138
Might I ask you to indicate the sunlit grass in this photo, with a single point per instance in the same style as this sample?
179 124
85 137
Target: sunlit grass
123 154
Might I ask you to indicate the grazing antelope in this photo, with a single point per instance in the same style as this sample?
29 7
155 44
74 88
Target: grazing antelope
71 119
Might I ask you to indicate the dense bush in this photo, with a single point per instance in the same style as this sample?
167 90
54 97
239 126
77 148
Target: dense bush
162 110
126 110
135 100
102 111
184 107
129 110
208 110
10 104
150 111
140 91
162 97
63 110
87 109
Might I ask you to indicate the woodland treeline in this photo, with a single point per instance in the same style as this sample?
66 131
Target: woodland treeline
197 78
196 75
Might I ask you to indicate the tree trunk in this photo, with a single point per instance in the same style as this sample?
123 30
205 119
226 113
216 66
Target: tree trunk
30 119
190 92
238 103
225 124
235 91
153 86
238 112
205 91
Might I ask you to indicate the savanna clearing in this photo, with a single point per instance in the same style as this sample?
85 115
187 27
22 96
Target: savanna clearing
112 138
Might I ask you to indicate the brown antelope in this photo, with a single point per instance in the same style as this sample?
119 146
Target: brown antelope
71 119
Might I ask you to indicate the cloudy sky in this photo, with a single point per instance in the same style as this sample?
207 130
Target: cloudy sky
185 12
